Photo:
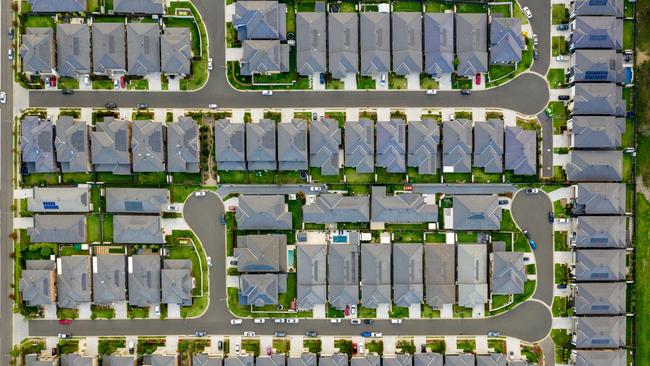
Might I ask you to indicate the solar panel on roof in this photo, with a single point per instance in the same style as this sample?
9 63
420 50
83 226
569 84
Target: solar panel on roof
598 37
599 275
599 240
50 205
597 2
596 75
600 341
600 307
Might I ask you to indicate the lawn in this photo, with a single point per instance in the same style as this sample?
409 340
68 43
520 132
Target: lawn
501 9
557 78
563 345
396 81
138 84
560 241
102 84
67 83
560 14
560 46
480 176
284 81
628 34
561 307
561 274
405 5
560 116
107 228
92 223
102 313
353 177
642 300
437 6
107 346
470 8
365 82
427 82
39 21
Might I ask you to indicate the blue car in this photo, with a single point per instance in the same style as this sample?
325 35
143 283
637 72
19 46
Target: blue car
366 334
532 244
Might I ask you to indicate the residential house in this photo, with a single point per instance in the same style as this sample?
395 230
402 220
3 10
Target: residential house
427 359
275 359
73 281
407 274
176 51
311 38
109 48
73 49
613 8
230 146
595 166
521 151
508 273
117 359
492 359
41 360
260 20
328 208
144 280
403 208
37 145
137 200
407 42
58 229
204 359
600 265
343 279
292 145
506 41
161 359
368 360
360 146
183 146
143 48
480 212
109 278
600 358
375 275
597 99
71 145
258 289
343 48
261 253
375 43
312 276
38 281
472 275
59 199
75 359
177 283
599 232
139 6
137 229
596 132
261 145
400 359
264 57
471 43
438 44
596 66
596 32
423 146
324 145
599 332
239 360
391 146
457 146
600 298
147 146
304 359
109 143
336 359
463 359
488 145
440 274
599 199
263 212
57 6
37 50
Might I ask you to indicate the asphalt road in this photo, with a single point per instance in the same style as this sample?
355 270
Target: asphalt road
541 24
547 144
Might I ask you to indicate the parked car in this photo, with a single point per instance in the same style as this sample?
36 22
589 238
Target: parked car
355 348
199 193
562 286
209 261
249 333
259 321
335 320
377 334
551 217
548 111
529 14
382 80
477 79
503 202
142 106
292 321
67 91
465 92
535 54
278 320
210 64
564 97
220 346
561 58
532 190
10 53
493 333
3 97
408 188
396 321
353 310
562 27
280 334
236 321
200 333
65 335
423 348
116 84
111 105
237 348
526 234
368 321
532 244
11 33
355 321
535 39
432 92
366 334
347 310
267 93
361 348
315 188
53 81
156 310
269 350
131 347
86 79
64 321
322 78
212 106
122 82
311 333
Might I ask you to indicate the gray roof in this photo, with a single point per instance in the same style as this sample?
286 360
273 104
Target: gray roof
521 150
59 199
109 278
292 145
260 20
276 359
602 8
600 231
472 269
37 145
230 146
324 145
427 359
360 145
601 358
261 253
71 144
183 146
311 39
463 359
147 146
312 281
506 40
423 146
75 359
263 213
375 43
58 229
334 207
600 298
597 32
600 332
488 145
258 289
596 132
37 282
164 360
598 265
176 51
203 359
343 37
136 200
600 199
493 359
471 43
407 42
37 50
337 359
368 360
305 359
375 275
176 279
597 66
391 145
508 273
39 360
261 145
476 212
109 145
139 6
603 99
73 49
137 229
457 146
343 279
118 360
438 43
144 280
407 274
239 361
401 208
57 6
143 48
264 57
595 166
109 48
401 359
439 275
73 281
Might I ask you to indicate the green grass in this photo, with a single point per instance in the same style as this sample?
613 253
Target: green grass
312 345
92 223
496 72
557 78
467 345
95 198
375 347
354 177
437 6
138 84
502 9
428 83
561 274
194 31
365 83
560 116
147 345
107 228
68 346
396 81
563 345
560 46
405 5
39 179
178 193
107 346
39 21
102 313
560 241
102 84
462 312
63 313
67 83
137 313
457 177
436 345
561 307
628 34
317 177
560 14
642 271
363 312
480 176
525 64
470 8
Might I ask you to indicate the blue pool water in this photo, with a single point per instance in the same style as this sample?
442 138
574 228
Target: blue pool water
290 255
340 238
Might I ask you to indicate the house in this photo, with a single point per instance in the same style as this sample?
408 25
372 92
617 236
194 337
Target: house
613 8
137 200
343 48
506 41
109 145
488 145
264 57
600 358
375 275
139 6
73 49
492 359
312 276
263 212
117 359
260 20
599 332
407 274
596 132
508 273
336 359
239 361
596 66
427 359
144 280
595 166
177 283
73 281
261 253
375 43
230 146
368 360
600 265
391 146
360 146
58 229
600 298
324 145
521 151
37 145
480 212
471 43
38 281
423 146
400 359
438 44
176 51
109 48
183 146
258 289
137 229
75 359
472 270
440 274
305 359
597 99
275 359
109 278
37 50
71 145
596 32
599 232
343 279
292 145
41 360
599 199
311 43
147 146
143 48
59 199
463 359
204 359
57 6
407 42
158 359
402 208
330 208
261 145
457 146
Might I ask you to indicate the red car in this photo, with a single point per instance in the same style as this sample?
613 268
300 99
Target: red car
478 79
232 208
53 81
122 82
408 188
64 321
347 310
269 350
354 348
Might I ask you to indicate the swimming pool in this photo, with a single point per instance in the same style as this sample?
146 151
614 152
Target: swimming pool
340 238
291 253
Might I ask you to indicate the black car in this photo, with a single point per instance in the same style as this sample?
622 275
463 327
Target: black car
280 334
423 348
563 97
368 321
200 333
67 91
11 33
527 234
561 286
503 202
142 106
465 92
562 27
311 333
535 54
551 217
111 105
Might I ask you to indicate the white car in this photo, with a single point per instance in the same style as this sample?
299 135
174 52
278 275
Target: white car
249 334
236 321
212 106
65 335
172 208
535 39
361 348
292 321
86 79
396 321
376 335
157 310
199 194
527 11
355 321
278 321
315 189
10 53
267 92
432 92
237 348
560 58
353 310
259 321
3 97
335 320
116 84
382 81
210 64
209 260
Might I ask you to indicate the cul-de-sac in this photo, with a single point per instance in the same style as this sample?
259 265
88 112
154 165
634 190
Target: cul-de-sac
325 183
